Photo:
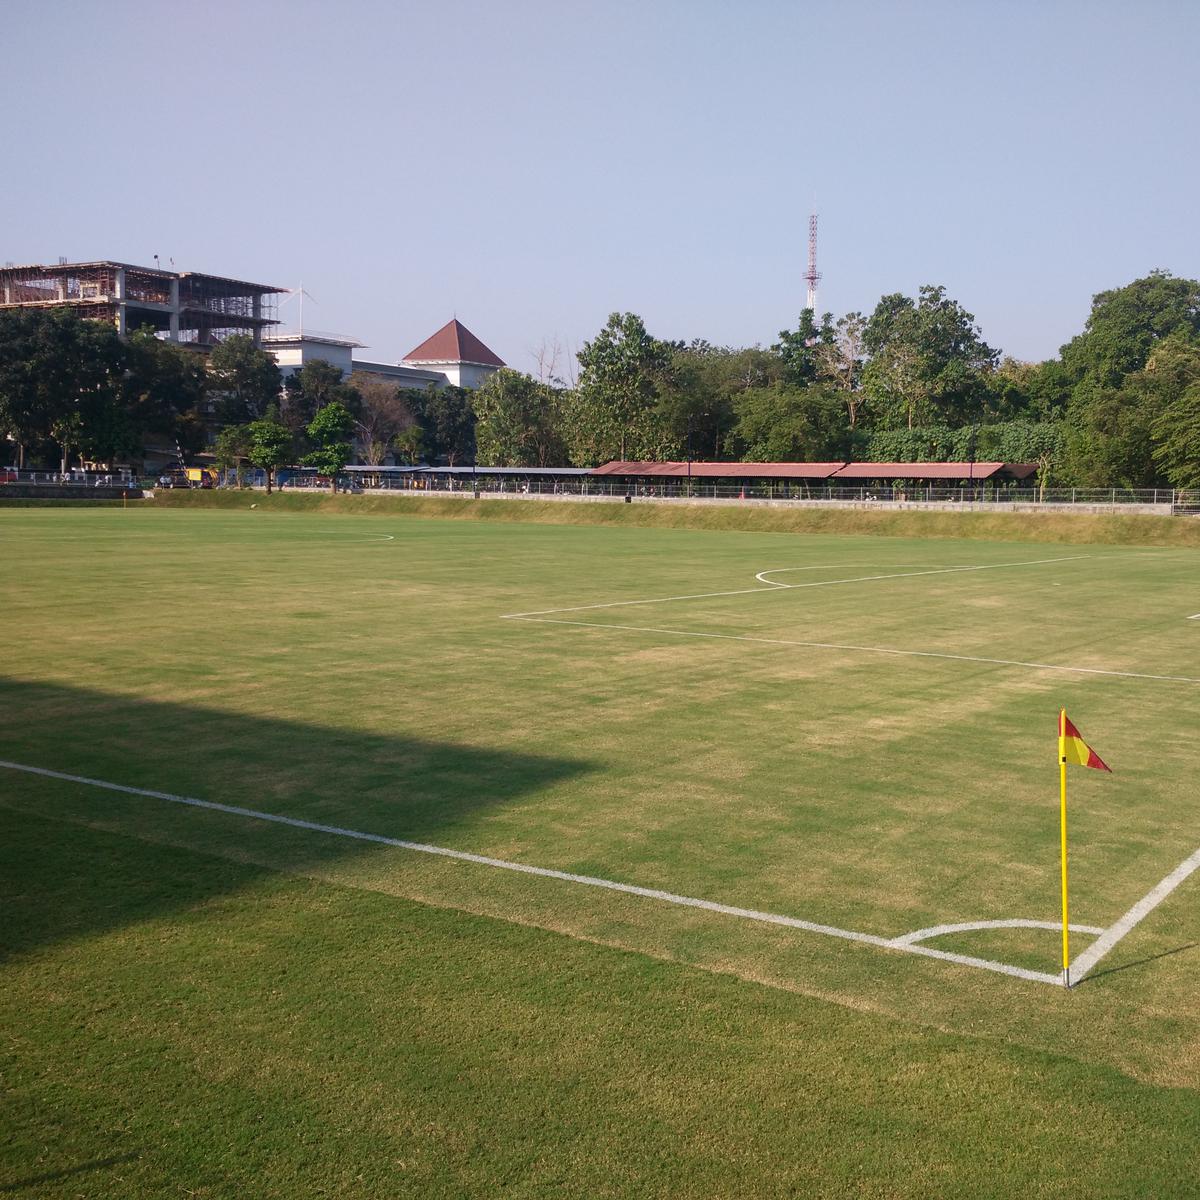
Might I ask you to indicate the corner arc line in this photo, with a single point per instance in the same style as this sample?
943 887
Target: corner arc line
921 935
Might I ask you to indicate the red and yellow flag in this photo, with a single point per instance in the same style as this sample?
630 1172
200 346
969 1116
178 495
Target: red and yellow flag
1073 749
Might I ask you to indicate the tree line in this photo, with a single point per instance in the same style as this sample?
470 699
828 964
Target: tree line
913 380
72 389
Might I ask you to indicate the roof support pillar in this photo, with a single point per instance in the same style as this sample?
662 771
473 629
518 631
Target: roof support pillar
119 291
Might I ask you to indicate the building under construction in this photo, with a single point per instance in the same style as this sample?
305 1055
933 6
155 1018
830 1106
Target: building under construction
185 306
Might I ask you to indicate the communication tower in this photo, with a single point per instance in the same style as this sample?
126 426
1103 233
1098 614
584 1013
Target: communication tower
812 275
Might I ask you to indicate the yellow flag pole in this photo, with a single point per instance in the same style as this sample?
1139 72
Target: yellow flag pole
1062 821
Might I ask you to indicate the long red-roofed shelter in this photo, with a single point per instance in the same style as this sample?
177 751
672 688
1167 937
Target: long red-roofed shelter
833 473
934 471
727 470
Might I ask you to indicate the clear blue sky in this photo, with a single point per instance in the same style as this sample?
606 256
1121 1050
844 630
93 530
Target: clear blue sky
531 166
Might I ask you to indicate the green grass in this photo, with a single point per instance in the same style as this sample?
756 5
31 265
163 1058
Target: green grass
201 1004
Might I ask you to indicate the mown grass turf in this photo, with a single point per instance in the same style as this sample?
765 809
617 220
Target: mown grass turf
240 1033
304 665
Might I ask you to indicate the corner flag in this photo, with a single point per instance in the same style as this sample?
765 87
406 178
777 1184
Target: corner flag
1072 749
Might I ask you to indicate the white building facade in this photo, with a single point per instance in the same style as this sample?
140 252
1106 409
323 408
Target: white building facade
453 356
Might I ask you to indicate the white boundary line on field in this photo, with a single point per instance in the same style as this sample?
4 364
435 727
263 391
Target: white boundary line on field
906 942
921 935
749 914
1085 961
548 616
762 575
772 585
765 641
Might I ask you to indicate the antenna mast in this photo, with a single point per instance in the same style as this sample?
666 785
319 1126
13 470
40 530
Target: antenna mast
812 275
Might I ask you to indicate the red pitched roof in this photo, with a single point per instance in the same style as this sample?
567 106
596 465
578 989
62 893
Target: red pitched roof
454 343
941 470
710 470
833 472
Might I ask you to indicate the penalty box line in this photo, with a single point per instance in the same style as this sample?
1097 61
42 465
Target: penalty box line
550 616
765 641
898 944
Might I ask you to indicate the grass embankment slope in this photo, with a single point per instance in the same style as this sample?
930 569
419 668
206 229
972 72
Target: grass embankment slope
1083 528
194 1002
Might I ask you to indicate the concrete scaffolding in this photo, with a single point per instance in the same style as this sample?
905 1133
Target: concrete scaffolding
186 306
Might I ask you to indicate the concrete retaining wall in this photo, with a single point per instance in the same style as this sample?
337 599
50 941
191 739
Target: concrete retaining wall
942 506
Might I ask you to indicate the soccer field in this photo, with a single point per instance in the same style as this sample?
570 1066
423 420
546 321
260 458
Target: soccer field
790 805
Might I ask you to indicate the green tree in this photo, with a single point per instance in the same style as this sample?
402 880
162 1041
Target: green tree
95 421
1021 441
790 423
59 378
894 388
614 411
928 361
246 378
407 444
232 448
801 350
164 389
1126 323
698 393
922 443
518 422
1111 439
269 444
330 431
381 417
447 420
310 389
1175 434
839 360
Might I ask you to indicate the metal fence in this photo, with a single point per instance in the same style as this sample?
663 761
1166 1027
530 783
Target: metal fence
59 479
426 483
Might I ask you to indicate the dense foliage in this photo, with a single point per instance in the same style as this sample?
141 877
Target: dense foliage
913 380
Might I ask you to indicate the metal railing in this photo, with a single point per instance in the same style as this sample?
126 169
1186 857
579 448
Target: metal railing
427 484
58 479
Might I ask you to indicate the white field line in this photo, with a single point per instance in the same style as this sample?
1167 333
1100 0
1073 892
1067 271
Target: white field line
765 641
729 910
1034 562
762 575
920 935
1138 913
1194 617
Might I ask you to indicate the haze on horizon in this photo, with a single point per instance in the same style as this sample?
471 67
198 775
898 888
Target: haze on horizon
532 166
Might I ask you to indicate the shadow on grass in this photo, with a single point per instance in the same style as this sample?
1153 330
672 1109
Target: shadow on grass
65 1173
1138 962
395 786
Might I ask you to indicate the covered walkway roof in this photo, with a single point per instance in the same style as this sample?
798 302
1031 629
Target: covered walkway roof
932 471
832 473
728 470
